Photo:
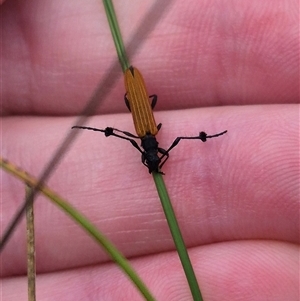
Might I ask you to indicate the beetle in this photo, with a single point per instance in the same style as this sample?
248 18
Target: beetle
137 101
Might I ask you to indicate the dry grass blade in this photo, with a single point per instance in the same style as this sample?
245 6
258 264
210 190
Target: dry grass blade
31 272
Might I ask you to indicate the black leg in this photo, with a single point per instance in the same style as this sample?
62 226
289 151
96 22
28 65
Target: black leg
164 154
126 133
202 136
89 128
215 135
111 132
127 102
144 160
154 100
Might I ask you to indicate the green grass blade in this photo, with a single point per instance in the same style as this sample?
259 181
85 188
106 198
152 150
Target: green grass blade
177 237
116 34
160 186
112 251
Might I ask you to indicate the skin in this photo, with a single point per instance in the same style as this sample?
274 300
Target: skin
235 66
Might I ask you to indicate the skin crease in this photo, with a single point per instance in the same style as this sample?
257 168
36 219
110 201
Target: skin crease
235 66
